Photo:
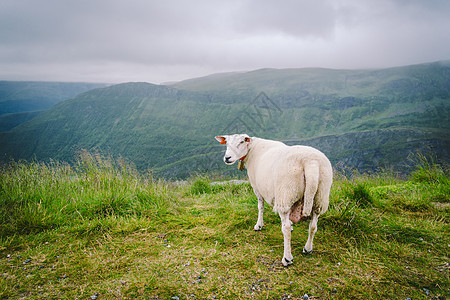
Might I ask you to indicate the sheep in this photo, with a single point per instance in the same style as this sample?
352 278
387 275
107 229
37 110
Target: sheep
294 180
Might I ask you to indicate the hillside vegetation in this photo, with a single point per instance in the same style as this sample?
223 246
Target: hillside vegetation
99 228
21 101
364 119
25 96
9 121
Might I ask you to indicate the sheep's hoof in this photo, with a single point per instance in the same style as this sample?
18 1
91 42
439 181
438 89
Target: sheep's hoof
306 251
257 227
286 262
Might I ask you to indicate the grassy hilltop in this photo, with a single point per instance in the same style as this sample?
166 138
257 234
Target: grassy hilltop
100 229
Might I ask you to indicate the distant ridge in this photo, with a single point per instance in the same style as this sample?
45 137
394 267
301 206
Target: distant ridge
22 96
362 119
205 78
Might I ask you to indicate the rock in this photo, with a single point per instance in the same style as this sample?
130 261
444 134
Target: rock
95 296
427 291
27 261
235 182
176 298
305 297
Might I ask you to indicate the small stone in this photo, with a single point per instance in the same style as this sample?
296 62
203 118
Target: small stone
198 281
305 297
27 261
95 296
8 256
176 298
427 291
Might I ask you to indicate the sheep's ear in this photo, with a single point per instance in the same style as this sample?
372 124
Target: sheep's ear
221 139
247 139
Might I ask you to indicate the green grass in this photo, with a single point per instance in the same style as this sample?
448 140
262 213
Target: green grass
102 227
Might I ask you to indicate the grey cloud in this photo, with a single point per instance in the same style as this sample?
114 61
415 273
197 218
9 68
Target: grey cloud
300 18
153 40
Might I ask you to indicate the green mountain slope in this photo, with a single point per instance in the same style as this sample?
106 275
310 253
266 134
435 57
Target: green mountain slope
21 96
361 119
9 121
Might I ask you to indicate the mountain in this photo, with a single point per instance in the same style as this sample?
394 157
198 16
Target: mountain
9 121
363 119
32 96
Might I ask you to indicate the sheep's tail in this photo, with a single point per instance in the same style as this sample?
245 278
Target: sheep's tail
311 185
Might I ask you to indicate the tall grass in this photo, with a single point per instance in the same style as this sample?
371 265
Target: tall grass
99 226
40 196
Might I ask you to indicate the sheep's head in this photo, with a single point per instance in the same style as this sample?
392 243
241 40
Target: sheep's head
237 147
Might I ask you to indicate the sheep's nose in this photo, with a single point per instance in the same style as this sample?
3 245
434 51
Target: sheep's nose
227 158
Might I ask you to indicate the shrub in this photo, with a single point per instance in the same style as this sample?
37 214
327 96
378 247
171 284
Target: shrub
428 171
201 186
359 193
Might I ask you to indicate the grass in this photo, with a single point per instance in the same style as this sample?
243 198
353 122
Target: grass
101 228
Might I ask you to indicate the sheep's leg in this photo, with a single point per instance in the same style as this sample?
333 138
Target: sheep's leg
286 229
312 231
260 223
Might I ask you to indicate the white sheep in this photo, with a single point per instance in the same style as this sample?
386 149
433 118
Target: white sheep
295 180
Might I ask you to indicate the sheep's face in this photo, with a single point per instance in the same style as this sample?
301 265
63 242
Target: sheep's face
237 147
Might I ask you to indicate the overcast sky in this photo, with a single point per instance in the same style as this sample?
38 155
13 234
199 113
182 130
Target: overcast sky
166 40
